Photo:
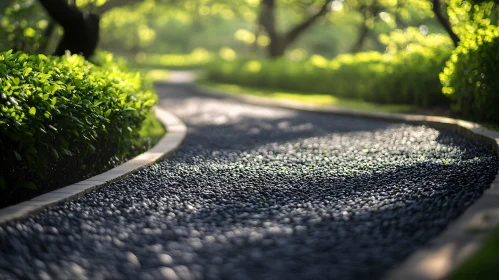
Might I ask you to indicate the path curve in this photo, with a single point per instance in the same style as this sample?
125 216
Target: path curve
258 192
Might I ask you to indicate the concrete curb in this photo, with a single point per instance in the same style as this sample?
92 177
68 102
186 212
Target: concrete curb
442 255
171 141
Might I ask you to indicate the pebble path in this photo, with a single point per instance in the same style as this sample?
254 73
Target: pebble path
259 193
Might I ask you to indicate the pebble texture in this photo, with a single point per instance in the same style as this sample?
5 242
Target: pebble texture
259 193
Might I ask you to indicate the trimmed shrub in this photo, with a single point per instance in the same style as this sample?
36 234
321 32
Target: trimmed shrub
470 77
62 114
406 74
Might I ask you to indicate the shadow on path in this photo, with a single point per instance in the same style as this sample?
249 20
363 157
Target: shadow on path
260 193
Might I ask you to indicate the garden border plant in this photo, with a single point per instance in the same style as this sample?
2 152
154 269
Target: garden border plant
407 73
63 119
470 76
170 142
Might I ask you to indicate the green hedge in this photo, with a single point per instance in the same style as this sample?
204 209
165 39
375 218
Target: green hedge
64 114
406 74
471 76
194 60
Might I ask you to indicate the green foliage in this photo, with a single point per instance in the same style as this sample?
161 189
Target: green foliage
310 98
174 26
404 41
22 25
155 26
466 17
107 60
128 28
470 76
166 26
58 111
406 74
197 59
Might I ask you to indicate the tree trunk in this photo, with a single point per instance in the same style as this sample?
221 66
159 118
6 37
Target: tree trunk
277 48
111 4
254 46
47 34
363 33
293 34
268 22
444 21
279 43
81 30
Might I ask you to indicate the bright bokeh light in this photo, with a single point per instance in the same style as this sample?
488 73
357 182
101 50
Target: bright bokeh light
245 36
336 5
227 53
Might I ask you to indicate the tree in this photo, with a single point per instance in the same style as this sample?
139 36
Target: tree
24 26
368 11
279 42
444 21
81 30
381 16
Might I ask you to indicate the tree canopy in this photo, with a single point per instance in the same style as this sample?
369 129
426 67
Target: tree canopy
249 27
269 27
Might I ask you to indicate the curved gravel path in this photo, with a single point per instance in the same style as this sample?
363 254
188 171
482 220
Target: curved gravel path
259 193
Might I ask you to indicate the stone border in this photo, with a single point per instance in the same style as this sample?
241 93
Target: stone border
442 255
171 141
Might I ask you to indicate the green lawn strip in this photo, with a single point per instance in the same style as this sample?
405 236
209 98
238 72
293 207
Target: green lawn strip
176 67
153 74
157 75
145 66
312 98
484 264
330 100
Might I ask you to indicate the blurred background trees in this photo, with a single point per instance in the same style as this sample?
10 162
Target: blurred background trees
249 27
416 52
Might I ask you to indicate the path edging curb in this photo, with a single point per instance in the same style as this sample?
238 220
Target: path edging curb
171 141
443 254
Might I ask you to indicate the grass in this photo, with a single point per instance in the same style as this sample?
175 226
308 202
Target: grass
312 98
172 66
154 74
484 264
331 100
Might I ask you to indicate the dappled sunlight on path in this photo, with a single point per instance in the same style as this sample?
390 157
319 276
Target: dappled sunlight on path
260 193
